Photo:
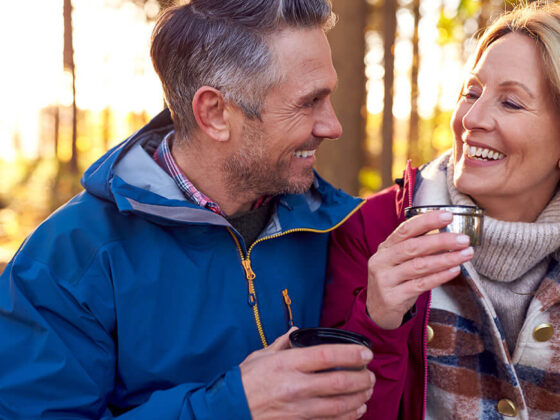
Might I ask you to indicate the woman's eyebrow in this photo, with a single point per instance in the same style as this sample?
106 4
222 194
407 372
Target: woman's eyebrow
508 83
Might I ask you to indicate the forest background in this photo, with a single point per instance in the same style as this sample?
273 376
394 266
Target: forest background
76 79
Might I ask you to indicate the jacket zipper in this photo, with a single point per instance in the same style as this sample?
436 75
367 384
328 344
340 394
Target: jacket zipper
250 275
410 190
252 296
425 350
288 303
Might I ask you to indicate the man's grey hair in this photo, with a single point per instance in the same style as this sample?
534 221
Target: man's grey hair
224 44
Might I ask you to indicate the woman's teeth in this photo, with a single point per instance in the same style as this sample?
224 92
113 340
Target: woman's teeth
480 153
304 153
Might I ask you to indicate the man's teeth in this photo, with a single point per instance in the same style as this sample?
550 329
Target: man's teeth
304 153
480 153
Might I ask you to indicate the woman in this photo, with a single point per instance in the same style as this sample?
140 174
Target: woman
485 342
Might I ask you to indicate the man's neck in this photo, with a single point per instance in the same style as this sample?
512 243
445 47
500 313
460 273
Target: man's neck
204 171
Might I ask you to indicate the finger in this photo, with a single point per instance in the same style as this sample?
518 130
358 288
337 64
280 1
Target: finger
339 382
417 226
415 287
282 342
419 247
430 265
329 356
350 406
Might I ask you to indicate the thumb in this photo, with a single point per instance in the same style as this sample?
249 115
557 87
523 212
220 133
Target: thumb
282 342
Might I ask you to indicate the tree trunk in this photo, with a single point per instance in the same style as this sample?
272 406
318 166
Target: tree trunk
69 66
389 35
484 14
413 129
106 127
340 161
56 131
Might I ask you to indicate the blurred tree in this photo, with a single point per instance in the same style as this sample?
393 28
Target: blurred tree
413 126
389 12
340 161
69 65
106 127
484 14
153 7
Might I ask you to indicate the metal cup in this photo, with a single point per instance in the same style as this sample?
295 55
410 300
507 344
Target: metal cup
466 219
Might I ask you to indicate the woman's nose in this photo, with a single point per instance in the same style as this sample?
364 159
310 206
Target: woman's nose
479 115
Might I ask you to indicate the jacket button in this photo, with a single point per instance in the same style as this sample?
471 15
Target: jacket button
543 332
429 333
507 408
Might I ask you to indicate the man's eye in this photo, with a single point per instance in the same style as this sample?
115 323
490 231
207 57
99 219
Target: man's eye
311 103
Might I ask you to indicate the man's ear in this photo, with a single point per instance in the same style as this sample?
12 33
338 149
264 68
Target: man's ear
211 113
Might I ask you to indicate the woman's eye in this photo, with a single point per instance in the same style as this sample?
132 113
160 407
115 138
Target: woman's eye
511 105
469 95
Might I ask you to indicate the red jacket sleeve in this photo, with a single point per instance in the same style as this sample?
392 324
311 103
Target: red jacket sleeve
344 305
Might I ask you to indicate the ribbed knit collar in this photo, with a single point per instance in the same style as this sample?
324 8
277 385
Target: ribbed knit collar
511 249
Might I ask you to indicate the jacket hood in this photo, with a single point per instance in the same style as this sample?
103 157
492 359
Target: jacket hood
98 177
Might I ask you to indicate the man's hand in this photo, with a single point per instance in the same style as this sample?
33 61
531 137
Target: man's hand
410 263
284 383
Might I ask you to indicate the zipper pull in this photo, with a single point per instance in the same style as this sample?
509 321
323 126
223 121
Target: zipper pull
248 270
288 302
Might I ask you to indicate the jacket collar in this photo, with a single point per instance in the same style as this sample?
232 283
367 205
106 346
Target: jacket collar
128 176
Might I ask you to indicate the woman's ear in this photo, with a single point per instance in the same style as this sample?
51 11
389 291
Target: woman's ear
211 114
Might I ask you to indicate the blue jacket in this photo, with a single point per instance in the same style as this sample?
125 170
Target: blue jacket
130 301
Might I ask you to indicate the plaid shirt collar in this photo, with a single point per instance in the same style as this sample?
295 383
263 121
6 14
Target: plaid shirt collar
165 160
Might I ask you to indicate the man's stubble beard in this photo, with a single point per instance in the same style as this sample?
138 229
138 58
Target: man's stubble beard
250 170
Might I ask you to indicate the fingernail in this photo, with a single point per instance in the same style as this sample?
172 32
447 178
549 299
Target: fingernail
367 355
362 410
463 239
369 393
446 216
455 269
372 377
467 252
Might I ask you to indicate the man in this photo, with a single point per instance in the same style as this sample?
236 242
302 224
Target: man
197 242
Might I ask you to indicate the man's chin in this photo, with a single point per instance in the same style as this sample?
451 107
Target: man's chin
299 186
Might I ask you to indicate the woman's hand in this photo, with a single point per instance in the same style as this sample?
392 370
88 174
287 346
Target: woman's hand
410 263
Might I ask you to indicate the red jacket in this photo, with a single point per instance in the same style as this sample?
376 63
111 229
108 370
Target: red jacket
399 361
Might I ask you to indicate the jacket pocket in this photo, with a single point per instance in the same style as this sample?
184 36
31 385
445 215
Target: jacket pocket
288 308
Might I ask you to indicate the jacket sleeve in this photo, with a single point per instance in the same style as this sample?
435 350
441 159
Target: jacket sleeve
58 355
344 306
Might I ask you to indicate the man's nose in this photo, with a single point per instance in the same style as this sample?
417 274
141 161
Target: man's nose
327 125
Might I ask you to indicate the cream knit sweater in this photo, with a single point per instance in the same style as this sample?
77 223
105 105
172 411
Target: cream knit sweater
513 259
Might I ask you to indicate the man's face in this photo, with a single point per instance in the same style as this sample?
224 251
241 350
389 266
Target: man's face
277 155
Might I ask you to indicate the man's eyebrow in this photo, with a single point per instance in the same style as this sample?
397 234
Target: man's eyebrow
317 93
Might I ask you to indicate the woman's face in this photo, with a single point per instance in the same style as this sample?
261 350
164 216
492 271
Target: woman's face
507 132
